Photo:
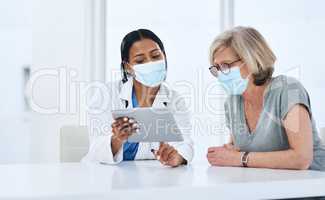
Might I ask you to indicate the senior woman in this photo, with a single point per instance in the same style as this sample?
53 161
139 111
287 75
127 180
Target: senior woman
269 118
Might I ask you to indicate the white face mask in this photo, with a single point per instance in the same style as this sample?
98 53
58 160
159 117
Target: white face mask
232 82
150 74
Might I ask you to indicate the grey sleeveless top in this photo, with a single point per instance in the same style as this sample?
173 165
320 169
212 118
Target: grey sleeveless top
269 135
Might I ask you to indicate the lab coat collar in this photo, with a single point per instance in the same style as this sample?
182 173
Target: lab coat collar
162 98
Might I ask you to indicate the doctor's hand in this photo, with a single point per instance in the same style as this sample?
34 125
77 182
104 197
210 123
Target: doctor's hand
122 128
168 155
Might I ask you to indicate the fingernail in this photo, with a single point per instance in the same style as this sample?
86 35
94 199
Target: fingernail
125 119
131 120
155 154
134 125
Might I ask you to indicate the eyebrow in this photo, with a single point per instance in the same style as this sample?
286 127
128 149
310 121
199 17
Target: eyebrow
227 61
138 55
154 50
141 54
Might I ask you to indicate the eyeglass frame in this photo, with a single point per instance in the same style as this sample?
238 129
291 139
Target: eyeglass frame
219 68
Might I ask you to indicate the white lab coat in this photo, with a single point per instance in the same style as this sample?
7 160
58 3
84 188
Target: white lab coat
119 97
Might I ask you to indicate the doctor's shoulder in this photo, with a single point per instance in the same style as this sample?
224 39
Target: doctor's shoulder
177 101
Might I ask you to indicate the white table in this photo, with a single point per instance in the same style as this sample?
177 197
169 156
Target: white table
150 180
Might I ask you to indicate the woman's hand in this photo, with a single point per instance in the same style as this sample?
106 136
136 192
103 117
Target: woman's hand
122 128
226 155
168 155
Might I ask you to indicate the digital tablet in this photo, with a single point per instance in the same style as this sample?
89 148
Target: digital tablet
155 124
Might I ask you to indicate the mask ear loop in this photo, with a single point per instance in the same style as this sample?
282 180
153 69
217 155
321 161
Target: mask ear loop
247 77
129 74
249 74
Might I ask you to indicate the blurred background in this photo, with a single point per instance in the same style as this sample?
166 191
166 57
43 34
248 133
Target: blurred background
50 49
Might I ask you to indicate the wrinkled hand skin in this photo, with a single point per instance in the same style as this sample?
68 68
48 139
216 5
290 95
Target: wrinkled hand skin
226 155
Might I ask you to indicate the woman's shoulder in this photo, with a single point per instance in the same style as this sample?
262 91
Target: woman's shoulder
286 87
283 82
289 91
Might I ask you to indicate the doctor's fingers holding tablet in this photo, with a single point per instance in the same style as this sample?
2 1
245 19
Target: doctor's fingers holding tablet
123 127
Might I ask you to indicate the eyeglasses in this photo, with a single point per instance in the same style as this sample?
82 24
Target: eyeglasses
223 68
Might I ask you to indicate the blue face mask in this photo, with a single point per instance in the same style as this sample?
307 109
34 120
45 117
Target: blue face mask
150 74
232 82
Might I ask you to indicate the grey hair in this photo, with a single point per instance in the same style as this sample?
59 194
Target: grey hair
251 47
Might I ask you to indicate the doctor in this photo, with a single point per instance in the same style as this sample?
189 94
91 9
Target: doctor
144 69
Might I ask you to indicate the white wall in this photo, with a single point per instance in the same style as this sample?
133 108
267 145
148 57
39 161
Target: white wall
295 30
59 40
42 35
50 37
15 53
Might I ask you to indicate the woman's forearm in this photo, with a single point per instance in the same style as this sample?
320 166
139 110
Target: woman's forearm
286 159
